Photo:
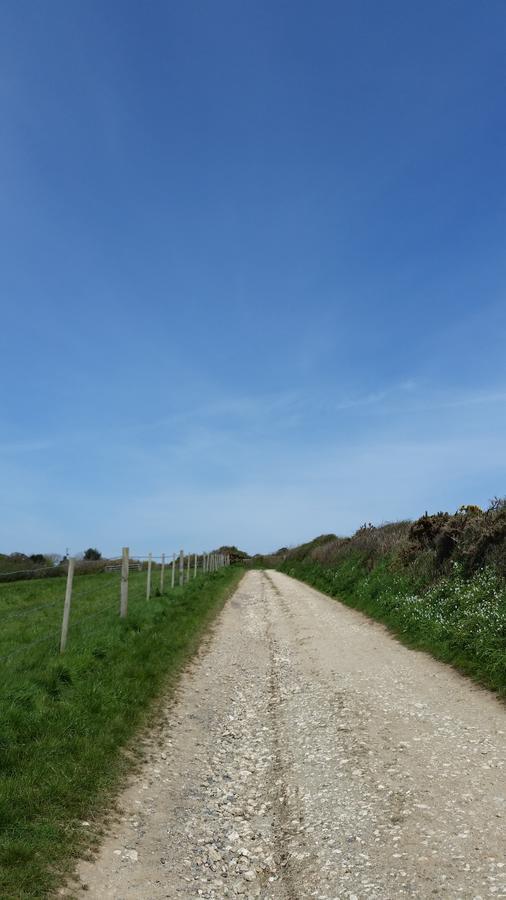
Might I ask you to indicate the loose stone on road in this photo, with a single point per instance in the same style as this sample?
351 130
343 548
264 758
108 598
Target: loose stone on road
309 754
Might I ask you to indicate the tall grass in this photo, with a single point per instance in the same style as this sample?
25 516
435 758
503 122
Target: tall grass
64 720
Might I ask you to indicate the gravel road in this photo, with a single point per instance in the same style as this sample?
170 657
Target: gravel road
308 754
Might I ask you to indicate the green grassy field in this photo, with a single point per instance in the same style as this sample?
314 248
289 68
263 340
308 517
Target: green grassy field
65 719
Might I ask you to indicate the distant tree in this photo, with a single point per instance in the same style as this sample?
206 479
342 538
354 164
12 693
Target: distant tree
235 554
92 554
38 558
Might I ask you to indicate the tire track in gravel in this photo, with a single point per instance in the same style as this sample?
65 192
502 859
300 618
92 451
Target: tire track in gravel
287 812
309 755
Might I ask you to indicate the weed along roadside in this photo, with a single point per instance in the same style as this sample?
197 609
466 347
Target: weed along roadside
438 583
446 620
66 716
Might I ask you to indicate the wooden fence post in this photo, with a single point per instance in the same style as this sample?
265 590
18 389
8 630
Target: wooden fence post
66 605
181 568
195 567
123 610
188 567
148 583
162 572
173 573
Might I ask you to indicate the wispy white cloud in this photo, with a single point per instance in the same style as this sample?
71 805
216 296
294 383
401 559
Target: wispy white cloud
419 396
241 474
286 499
376 398
28 446
233 415
457 400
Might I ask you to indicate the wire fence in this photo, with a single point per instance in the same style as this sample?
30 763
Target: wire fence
71 612
55 571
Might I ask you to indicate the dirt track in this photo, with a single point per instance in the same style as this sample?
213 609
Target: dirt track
308 754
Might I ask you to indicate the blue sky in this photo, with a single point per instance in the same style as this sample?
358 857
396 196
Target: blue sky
252 268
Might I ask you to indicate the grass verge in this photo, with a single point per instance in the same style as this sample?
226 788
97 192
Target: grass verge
64 720
461 621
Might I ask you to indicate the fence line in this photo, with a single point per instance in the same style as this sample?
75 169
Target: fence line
51 636
30 609
189 567
34 571
66 605
59 570
99 612
148 582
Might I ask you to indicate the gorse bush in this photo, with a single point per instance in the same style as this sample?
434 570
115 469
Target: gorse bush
472 537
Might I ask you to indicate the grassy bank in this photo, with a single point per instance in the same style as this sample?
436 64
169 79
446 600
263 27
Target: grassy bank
438 582
64 720
460 620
